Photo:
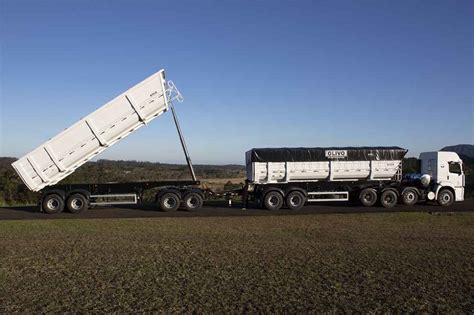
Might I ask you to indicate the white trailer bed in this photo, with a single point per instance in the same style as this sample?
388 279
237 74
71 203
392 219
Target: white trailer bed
286 165
285 172
60 156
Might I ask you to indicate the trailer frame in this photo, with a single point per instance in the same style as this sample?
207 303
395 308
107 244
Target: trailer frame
93 192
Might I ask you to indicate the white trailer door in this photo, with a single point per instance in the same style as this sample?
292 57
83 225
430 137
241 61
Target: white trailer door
60 156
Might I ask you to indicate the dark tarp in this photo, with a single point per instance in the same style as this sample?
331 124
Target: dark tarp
319 154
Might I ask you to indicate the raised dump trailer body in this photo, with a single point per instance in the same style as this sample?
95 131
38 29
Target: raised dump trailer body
292 176
60 156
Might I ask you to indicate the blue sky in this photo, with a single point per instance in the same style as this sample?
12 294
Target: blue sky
253 73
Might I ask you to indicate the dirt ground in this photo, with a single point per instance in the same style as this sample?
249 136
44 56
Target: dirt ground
351 262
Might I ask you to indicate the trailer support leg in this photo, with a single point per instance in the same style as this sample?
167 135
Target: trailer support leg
183 144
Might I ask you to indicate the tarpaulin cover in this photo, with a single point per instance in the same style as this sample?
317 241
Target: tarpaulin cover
320 154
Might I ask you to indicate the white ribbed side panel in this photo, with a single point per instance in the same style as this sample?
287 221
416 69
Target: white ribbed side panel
284 172
61 155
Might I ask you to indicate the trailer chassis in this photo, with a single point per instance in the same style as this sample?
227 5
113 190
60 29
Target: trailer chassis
76 198
294 195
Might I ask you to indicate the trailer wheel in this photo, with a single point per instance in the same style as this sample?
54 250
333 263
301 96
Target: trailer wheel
295 200
409 197
192 201
389 198
368 197
445 198
273 200
169 202
77 203
53 204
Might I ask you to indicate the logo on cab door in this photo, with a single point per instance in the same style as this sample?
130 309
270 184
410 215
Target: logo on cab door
334 154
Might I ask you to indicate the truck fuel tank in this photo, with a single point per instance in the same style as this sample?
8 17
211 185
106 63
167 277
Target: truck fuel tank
423 179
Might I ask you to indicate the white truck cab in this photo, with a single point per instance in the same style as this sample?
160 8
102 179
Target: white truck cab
446 171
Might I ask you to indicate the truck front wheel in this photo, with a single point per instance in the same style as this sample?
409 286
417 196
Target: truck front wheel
295 200
53 204
388 199
445 198
368 197
273 200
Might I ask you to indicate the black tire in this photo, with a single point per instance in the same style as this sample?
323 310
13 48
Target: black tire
77 203
295 200
192 201
389 198
368 197
273 200
445 198
409 197
169 202
53 204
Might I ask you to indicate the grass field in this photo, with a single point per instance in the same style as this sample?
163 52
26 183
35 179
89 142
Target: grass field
349 262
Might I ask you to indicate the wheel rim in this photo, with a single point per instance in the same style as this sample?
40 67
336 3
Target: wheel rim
388 198
410 196
192 202
170 202
76 204
368 197
273 200
295 201
446 198
53 204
